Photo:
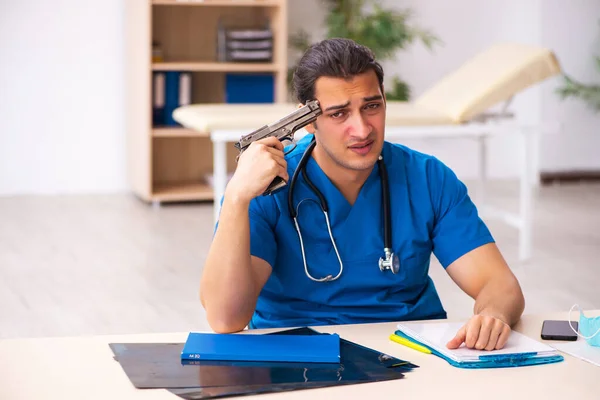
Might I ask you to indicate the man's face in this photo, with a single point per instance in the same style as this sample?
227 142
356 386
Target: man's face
351 129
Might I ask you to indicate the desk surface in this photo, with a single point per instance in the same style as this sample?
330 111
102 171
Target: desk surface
83 368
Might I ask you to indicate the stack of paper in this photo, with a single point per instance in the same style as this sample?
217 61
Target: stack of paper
519 349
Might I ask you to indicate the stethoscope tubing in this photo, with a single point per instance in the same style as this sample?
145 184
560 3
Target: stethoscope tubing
301 168
387 212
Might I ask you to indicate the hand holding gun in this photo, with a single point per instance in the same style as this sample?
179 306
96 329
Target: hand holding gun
283 130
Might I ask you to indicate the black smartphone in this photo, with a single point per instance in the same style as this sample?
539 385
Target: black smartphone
559 330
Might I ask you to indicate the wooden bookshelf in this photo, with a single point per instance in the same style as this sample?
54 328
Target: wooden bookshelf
171 164
215 67
182 191
174 132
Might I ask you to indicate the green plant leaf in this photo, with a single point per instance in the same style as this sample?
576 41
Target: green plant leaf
300 40
590 94
385 31
400 91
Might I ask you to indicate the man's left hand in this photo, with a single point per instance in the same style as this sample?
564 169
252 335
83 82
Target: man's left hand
482 332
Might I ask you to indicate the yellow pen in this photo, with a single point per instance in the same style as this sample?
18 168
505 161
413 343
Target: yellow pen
408 343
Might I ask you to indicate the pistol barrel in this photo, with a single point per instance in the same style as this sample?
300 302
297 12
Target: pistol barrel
285 127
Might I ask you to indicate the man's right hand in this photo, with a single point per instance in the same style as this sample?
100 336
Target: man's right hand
257 166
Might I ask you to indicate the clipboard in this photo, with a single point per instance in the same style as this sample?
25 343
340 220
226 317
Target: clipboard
520 350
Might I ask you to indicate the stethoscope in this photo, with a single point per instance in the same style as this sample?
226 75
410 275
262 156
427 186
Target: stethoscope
390 262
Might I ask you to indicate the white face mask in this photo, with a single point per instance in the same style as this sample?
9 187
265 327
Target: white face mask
589 328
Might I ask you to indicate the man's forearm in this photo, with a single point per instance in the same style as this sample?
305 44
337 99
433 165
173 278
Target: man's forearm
228 288
501 299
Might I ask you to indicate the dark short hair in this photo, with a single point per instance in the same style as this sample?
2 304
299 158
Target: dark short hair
338 58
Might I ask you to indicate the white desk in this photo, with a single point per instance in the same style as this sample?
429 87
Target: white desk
527 156
83 368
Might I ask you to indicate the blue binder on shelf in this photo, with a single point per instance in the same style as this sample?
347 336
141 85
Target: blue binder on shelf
257 347
158 98
177 92
249 88
518 351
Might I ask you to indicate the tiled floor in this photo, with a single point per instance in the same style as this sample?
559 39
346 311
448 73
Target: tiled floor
82 265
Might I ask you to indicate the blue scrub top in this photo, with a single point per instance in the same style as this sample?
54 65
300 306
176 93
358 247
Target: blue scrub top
430 211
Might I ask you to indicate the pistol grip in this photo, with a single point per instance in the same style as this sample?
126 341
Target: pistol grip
274 186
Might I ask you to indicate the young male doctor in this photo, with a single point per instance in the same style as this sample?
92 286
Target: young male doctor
265 271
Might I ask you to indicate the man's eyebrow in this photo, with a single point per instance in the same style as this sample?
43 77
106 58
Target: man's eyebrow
338 107
346 104
371 98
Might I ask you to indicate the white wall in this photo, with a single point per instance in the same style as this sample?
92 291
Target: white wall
61 84
61 97
578 147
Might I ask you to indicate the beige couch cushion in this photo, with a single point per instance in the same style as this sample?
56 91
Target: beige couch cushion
411 114
210 117
489 78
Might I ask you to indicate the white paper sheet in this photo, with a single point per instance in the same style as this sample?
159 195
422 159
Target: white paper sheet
580 349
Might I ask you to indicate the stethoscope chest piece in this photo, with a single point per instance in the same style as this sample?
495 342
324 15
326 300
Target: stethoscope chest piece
390 262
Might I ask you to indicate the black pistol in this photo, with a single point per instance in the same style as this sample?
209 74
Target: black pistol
283 130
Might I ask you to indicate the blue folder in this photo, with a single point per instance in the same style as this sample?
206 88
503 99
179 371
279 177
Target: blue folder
257 347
